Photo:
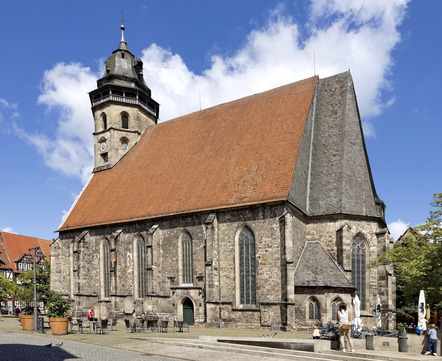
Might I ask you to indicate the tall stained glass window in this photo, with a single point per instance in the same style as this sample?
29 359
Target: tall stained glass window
106 269
358 268
247 283
141 267
186 244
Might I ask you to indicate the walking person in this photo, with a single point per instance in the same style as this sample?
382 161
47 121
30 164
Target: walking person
432 341
343 317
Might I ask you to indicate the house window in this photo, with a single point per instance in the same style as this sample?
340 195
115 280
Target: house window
247 282
140 268
358 266
186 245
124 121
313 310
105 268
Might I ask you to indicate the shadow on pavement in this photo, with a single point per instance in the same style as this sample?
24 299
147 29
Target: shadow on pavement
23 352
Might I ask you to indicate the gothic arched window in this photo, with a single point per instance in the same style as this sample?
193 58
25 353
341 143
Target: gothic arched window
334 308
313 309
104 120
105 268
140 268
124 143
187 252
247 282
124 121
358 266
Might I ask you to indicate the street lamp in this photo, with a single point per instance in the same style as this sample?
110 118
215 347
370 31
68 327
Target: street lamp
32 255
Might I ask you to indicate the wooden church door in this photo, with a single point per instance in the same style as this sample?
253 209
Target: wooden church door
188 314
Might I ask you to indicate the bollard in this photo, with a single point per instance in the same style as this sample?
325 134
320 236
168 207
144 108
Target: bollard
402 340
369 341
40 325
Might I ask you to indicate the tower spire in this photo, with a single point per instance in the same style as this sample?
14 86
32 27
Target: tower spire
122 33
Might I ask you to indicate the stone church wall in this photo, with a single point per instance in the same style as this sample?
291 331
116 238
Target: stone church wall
336 236
280 235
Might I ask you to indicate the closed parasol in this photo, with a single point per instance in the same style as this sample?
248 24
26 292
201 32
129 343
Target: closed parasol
421 313
357 322
378 313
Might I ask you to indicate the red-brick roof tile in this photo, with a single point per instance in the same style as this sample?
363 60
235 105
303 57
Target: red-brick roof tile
234 154
14 246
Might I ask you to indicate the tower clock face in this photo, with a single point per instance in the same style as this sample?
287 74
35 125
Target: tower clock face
103 147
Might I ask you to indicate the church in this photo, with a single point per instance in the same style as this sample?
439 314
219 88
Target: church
259 212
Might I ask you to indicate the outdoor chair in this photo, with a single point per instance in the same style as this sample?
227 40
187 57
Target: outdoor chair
83 325
127 323
164 325
179 326
104 326
113 323
101 326
151 325
140 325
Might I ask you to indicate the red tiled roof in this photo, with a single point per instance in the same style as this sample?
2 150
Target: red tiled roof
238 153
14 246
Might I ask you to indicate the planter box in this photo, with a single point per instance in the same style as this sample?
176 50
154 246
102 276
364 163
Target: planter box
27 322
59 325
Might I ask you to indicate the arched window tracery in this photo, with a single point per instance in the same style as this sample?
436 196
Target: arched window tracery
187 258
358 268
247 271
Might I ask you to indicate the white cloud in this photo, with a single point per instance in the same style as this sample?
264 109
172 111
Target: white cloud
8 110
342 34
397 228
8 229
64 90
356 35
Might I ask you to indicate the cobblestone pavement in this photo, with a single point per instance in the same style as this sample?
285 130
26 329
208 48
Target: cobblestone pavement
24 347
16 344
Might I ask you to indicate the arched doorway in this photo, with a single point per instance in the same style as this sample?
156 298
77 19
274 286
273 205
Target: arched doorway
188 313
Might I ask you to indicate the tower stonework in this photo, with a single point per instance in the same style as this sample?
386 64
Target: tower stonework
122 107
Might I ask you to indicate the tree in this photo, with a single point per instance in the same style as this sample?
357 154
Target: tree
417 261
8 288
26 292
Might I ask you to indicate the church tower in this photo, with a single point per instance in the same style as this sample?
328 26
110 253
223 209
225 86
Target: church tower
122 107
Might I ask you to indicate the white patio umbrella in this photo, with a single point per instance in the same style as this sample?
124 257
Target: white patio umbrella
357 322
378 313
421 312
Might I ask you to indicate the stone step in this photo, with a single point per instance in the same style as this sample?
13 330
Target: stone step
269 351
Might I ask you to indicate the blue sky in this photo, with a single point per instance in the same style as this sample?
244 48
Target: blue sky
209 52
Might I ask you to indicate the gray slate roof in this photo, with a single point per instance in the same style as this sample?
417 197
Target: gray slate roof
332 174
316 268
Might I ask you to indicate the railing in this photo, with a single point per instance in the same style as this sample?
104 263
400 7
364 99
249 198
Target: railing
123 99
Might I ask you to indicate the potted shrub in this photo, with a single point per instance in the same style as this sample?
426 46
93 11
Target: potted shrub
26 313
58 308
25 293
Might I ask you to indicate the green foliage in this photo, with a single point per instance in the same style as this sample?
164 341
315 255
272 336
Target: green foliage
417 261
26 292
400 326
57 305
8 288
